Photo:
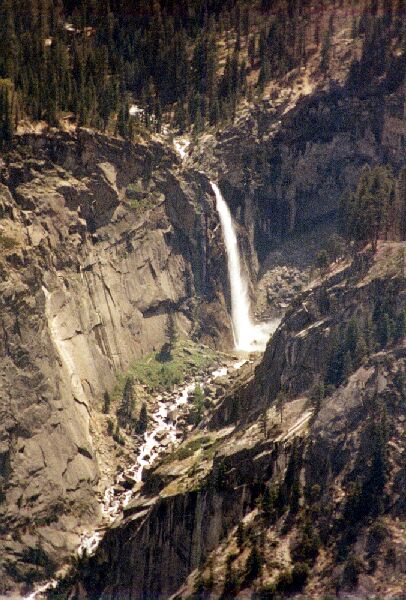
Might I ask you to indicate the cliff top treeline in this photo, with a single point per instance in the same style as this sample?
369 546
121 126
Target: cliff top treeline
183 63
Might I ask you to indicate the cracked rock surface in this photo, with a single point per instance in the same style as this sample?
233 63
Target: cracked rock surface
87 276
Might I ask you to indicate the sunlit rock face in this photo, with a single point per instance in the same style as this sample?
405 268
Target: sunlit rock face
104 238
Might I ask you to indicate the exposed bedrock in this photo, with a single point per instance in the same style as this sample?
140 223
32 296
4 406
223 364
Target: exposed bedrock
99 240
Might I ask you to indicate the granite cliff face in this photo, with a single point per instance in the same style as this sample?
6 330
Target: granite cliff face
314 476
99 239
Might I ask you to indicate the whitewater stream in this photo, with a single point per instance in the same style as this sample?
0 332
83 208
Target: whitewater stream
163 436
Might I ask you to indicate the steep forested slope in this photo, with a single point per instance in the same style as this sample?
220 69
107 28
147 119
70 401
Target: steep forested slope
181 63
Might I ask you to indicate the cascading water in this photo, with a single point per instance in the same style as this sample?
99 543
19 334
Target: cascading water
165 431
248 336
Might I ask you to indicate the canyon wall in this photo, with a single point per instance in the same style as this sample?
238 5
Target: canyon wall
99 239
312 455
286 161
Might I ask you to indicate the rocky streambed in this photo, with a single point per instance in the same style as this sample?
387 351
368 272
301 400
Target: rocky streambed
169 424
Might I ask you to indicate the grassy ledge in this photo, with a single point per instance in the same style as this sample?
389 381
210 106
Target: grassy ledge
187 359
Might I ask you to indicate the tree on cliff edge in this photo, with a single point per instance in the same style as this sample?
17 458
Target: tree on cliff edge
364 213
171 334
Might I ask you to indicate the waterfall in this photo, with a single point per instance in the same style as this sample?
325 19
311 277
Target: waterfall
248 336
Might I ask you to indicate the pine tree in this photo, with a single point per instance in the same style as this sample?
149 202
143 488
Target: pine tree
317 34
385 331
198 122
361 349
295 497
264 73
106 403
171 331
51 102
322 261
400 329
317 395
123 121
364 214
158 116
252 50
128 402
8 40
351 336
254 563
240 534
180 117
280 402
369 334
198 403
325 53
347 365
230 580
6 123
335 364
214 112
142 423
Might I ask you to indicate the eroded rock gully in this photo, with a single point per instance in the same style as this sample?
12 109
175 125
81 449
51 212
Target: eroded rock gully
99 239
184 523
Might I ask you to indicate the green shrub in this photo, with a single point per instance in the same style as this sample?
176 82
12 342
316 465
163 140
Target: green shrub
187 450
186 359
284 581
117 436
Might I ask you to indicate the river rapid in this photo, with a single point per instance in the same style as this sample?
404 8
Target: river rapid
163 435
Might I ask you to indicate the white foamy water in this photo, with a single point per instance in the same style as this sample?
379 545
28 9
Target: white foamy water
164 436
248 335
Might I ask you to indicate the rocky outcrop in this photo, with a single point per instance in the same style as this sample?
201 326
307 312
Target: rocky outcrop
99 238
302 349
308 456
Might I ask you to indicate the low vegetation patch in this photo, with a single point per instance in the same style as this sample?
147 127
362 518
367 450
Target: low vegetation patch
162 374
187 450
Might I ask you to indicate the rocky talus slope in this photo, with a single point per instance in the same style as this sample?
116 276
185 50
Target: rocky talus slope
299 492
99 239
